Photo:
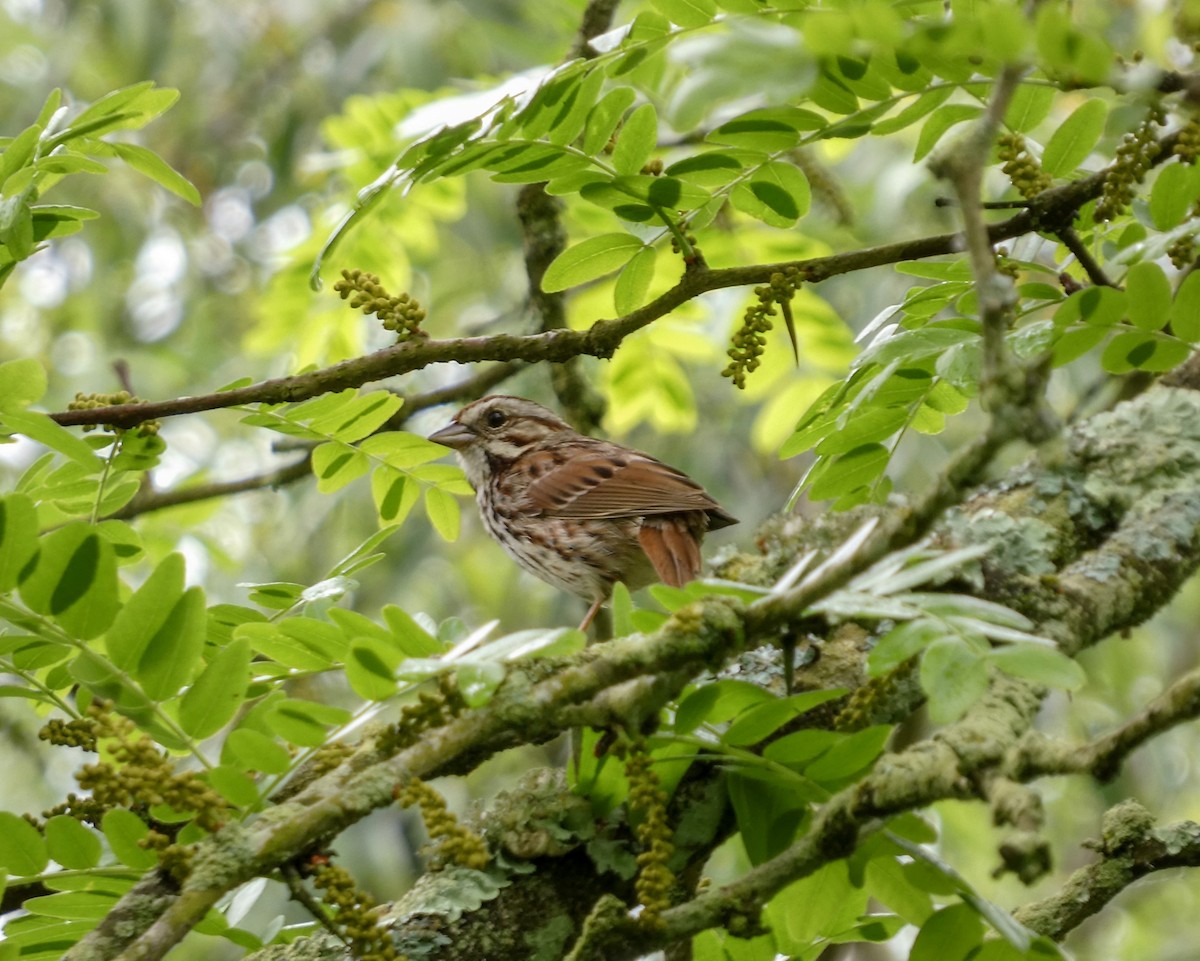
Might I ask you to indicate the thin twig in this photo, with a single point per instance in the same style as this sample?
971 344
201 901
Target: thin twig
1089 263
147 501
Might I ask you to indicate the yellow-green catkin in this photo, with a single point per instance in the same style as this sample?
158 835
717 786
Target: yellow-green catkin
454 843
655 879
401 313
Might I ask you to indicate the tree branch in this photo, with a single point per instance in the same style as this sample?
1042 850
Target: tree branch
1051 210
1131 848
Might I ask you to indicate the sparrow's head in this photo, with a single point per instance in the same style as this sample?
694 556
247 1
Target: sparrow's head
494 431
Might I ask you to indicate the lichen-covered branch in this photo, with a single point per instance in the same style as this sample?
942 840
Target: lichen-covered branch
1087 546
1131 847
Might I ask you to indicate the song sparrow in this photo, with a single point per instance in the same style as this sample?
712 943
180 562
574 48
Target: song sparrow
578 512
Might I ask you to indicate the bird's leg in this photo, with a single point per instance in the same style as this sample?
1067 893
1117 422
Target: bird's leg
591 614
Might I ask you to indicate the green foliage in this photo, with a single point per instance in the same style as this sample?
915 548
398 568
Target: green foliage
58 144
705 135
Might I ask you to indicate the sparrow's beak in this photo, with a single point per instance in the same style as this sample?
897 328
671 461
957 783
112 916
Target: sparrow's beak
453 435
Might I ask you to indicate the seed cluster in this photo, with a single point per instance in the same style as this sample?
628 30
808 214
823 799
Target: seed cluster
1136 152
1021 167
84 401
1187 142
355 919
401 313
646 796
432 709
750 340
137 775
455 843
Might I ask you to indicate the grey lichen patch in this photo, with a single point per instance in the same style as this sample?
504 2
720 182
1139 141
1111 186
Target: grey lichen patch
447 894
1019 545
1151 444
229 856
1125 825
541 817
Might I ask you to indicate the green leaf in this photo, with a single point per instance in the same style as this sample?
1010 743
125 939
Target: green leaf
590 259
899 644
75 580
360 417
145 613
394 494
124 830
22 382
949 935
408 636
1185 310
688 13
256 751
953 676
854 470
72 905
1101 306
921 107
337 464
778 194
760 720
151 165
1030 105
769 130
443 512
370 669
18 537
629 292
128 108
1174 193
814 909
866 425
1148 296
211 702
1137 350
852 755
305 723
802 747
1036 662
1075 138
22 850
234 785
940 121
71 844
39 427
605 116
714 168
173 651
477 682
637 140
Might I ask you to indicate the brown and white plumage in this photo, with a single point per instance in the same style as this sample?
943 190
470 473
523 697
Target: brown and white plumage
578 512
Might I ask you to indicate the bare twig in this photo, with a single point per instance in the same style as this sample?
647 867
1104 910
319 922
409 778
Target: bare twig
1089 264
149 500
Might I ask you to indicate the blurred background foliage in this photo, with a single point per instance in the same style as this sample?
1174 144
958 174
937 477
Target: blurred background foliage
287 108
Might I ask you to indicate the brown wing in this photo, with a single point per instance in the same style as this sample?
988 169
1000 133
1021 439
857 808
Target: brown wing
608 484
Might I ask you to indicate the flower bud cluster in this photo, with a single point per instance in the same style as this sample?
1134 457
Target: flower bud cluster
1134 156
84 401
655 879
401 314
1022 167
136 774
455 844
355 918
750 340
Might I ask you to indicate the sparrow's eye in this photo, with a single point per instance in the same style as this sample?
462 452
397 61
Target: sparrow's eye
495 417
